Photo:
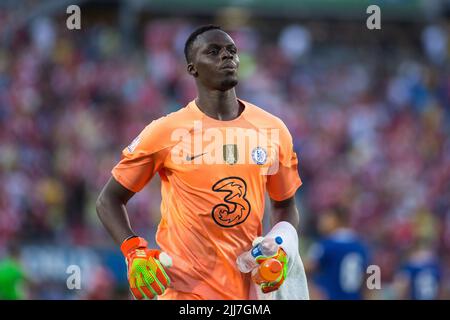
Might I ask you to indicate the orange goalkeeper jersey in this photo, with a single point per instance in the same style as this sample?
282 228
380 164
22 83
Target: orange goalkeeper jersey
214 175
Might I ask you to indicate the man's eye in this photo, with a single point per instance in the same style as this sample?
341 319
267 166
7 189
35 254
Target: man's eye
214 51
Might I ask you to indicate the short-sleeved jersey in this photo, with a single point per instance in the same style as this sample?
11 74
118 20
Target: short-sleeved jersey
342 260
214 175
424 277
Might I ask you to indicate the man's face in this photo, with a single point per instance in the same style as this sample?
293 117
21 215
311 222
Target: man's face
214 60
327 223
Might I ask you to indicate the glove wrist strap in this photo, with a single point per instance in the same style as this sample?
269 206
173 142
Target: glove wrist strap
131 244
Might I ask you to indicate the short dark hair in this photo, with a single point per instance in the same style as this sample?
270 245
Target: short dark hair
191 39
342 214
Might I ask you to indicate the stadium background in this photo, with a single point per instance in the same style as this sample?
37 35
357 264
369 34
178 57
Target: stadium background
369 111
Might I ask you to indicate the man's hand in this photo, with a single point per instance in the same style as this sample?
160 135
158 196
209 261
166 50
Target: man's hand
146 275
281 256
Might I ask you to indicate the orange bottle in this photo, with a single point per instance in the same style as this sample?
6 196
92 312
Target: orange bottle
268 271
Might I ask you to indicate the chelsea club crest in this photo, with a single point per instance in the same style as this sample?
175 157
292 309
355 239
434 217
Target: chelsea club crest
259 155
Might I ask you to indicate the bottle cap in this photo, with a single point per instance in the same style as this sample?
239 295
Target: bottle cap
279 240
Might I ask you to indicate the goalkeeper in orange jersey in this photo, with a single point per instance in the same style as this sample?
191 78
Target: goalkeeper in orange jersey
216 158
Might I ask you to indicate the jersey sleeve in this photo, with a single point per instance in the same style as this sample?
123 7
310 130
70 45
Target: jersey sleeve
142 158
285 181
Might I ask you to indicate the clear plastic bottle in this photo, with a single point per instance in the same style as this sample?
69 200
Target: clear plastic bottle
246 262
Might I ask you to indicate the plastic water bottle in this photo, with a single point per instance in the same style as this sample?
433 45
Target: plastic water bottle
246 262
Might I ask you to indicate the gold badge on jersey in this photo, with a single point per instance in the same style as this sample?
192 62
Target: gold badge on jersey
230 153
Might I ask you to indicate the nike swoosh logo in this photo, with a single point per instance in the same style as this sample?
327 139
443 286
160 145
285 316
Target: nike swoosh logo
190 158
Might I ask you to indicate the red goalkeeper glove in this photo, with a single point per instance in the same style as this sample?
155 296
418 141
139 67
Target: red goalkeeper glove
281 256
146 275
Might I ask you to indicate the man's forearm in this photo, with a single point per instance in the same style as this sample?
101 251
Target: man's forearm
113 214
285 211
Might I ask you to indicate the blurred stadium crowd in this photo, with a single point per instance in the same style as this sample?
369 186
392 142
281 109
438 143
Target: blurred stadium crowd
370 122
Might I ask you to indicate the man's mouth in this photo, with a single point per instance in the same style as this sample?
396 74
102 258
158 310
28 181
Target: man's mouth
230 66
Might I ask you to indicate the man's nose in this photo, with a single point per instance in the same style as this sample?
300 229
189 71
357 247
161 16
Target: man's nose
225 54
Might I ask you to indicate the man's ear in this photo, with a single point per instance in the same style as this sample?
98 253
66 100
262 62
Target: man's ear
191 70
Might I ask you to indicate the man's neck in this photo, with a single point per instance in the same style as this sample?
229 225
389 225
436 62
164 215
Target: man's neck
342 231
220 105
